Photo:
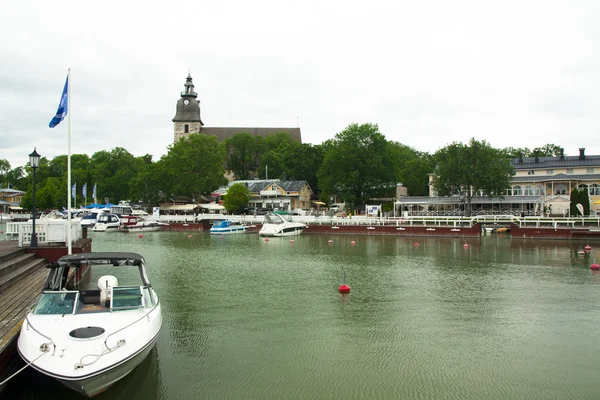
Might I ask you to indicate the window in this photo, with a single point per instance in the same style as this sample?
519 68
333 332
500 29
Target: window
538 190
528 190
509 192
186 128
589 170
594 189
569 170
517 191
561 188
530 172
549 172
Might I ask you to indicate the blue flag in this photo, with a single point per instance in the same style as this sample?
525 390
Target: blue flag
74 190
84 190
63 106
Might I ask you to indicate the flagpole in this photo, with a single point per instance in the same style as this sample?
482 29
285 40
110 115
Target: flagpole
69 246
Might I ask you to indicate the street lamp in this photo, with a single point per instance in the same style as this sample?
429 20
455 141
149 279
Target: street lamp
34 162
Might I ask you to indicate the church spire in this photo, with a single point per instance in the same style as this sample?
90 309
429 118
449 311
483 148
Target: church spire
189 87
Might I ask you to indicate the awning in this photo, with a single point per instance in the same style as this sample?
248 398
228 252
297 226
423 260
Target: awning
319 203
212 206
15 208
177 207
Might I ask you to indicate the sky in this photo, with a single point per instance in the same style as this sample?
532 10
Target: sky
429 73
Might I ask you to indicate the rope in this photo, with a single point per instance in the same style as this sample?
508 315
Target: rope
27 365
82 364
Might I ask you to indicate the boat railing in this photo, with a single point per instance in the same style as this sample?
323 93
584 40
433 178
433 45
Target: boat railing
146 315
29 325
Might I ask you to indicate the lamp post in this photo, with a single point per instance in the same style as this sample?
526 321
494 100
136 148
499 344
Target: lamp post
34 162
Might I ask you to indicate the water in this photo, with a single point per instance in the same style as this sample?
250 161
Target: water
249 319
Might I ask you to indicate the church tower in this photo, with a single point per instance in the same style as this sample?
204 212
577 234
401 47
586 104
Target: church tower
187 116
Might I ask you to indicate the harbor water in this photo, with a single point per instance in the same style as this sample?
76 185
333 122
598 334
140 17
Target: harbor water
427 318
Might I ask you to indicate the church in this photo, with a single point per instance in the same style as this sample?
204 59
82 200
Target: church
187 120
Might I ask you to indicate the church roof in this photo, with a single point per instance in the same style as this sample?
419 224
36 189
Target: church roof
226 133
187 112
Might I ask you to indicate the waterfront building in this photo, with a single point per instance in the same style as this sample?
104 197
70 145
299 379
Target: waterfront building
541 185
271 194
187 120
10 200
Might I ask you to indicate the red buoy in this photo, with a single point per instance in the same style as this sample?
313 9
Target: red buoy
266 239
466 246
292 240
330 241
344 288
416 244
595 267
140 236
189 236
586 248
220 237
353 242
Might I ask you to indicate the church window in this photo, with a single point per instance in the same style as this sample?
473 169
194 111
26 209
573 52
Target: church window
186 128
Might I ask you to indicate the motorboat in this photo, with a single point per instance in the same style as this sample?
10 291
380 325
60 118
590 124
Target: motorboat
131 223
226 227
90 218
107 223
279 225
89 337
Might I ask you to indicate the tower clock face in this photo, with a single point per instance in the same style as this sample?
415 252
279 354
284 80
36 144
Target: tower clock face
186 102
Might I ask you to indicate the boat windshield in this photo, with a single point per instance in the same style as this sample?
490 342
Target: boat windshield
51 303
275 219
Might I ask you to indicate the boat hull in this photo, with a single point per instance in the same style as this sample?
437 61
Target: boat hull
277 232
95 385
101 381
140 228
228 231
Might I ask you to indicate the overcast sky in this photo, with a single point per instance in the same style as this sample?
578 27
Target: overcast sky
514 73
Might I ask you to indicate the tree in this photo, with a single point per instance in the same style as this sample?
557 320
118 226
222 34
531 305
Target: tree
243 154
4 169
358 165
237 197
579 197
465 170
194 165
413 168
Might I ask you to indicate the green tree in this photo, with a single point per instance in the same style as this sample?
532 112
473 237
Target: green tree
413 168
548 150
4 170
16 177
243 155
151 184
194 165
237 197
465 170
358 165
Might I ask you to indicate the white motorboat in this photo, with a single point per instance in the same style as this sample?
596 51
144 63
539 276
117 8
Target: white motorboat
87 337
107 223
91 217
226 227
278 225
131 223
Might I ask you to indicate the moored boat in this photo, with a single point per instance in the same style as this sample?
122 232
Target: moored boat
278 225
131 223
107 223
226 227
88 337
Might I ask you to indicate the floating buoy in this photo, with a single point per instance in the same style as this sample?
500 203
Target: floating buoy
595 267
330 241
586 248
344 289
466 246
353 242
292 240
416 244
189 236
140 236
266 239
220 237
581 252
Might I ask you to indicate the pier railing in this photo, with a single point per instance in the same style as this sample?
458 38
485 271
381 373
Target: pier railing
50 232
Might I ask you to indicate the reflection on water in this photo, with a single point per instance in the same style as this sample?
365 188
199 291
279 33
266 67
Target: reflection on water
427 318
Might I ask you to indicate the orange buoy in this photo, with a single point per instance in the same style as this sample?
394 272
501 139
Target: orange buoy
586 248
353 242
595 266
344 289
140 236
292 240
